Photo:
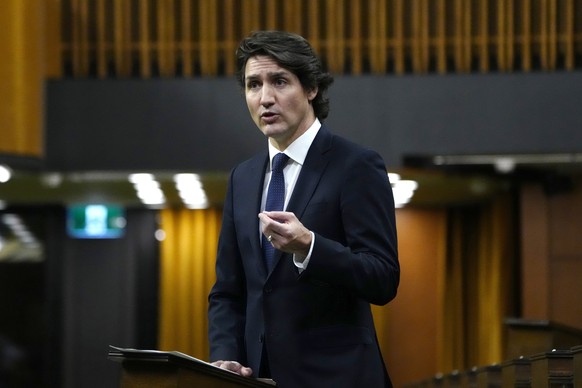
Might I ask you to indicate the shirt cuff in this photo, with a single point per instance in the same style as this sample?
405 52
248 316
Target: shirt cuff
300 261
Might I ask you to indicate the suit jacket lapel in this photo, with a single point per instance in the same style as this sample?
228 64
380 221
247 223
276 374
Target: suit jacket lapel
309 177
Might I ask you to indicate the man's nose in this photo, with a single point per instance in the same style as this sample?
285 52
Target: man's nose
267 95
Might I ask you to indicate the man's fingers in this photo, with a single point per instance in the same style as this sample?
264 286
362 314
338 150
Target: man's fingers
234 366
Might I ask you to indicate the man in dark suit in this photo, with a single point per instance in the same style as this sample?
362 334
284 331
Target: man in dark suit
300 313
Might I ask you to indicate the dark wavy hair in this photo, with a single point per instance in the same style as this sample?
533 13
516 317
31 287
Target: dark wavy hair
294 53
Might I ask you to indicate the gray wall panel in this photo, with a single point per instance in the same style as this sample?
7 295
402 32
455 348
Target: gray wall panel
203 124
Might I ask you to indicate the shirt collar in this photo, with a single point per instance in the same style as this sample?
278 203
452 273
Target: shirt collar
297 151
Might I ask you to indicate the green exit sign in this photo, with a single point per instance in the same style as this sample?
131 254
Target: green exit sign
96 221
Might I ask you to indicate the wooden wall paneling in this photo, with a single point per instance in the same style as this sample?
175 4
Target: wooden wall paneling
543 34
144 40
510 41
160 47
483 41
21 77
208 37
415 35
330 36
341 35
458 36
292 16
553 34
334 35
568 17
54 44
313 26
101 39
185 37
377 30
250 16
128 44
467 36
84 24
440 38
271 15
501 40
399 36
425 35
526 39
171 37
121 27
373 38
355 38
230 38
74 42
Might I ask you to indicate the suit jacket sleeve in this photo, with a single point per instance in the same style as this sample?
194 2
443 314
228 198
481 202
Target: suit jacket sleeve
362 257
227 299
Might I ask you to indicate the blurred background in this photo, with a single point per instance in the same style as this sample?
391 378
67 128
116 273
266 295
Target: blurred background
121 119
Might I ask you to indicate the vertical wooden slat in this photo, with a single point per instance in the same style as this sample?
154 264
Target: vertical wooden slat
341 35
484 36
292 16
458 36
552 34
54 45
398 21
382 49
526 41
441 38
127 38
171 37
84 38
425 36
510 42
213 16
501 36
355 43
203 45
186 37
543 38
162 46
117 36
569 16
377 35
250 19
467 36
230 40
415 35
271 15
101 43
313 26
145 44
165 48
332 44
75 53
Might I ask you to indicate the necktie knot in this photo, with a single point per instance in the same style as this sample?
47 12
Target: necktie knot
279 162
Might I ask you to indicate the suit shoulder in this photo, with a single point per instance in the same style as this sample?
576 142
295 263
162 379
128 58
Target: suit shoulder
346 147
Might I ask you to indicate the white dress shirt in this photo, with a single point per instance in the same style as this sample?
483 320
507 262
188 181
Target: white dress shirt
297 152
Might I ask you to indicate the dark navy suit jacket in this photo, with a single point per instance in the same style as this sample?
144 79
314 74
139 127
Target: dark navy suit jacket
317 326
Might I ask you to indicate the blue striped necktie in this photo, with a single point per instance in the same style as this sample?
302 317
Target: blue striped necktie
275 200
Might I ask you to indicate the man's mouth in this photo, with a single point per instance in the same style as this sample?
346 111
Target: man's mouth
269 117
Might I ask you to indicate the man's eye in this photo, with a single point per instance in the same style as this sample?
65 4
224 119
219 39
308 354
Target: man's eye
280 81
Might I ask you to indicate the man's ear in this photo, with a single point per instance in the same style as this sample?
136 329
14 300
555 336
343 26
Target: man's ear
311 94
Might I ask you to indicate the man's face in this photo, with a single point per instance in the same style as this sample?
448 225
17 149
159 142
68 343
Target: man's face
277 102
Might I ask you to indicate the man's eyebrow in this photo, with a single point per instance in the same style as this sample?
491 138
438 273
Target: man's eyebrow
271 75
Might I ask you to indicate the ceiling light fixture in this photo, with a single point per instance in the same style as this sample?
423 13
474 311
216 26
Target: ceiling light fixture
5 173
191 191
402 189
